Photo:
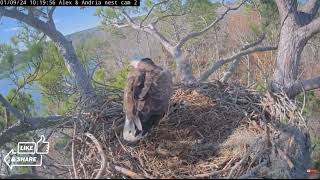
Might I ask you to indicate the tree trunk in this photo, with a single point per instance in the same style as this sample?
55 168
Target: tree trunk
297 27
289 55
73 65
6 118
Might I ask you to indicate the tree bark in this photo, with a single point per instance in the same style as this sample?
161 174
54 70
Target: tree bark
289 54
25 124
297 28
6 118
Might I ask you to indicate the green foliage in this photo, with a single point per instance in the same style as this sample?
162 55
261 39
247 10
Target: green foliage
120 79
99 76
86 50
21 100
6 59
269 14
315 142
203 9
312 102
261 87
54 72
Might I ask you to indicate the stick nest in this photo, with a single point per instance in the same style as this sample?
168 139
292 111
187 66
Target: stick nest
213 130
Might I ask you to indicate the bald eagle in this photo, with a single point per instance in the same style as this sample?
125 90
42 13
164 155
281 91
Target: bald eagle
146 98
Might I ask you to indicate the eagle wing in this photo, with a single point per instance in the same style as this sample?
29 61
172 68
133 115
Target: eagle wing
154 101
147 96
134 84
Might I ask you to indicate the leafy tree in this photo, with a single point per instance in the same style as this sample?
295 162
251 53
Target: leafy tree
41 18
199 14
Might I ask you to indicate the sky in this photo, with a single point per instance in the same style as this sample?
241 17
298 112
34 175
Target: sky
68 20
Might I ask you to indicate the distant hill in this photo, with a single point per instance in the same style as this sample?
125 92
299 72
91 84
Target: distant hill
121 43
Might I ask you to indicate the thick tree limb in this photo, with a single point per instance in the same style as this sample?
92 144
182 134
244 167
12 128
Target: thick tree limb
29 125
117 25
282 7
50 17
221 62
195 34
309 30
150 29
25 124
231 69
258 41
10 108
287 5
305 85
311 7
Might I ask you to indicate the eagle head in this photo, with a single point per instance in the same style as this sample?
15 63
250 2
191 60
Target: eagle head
138 59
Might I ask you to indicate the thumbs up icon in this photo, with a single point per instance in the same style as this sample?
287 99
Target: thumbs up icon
42 146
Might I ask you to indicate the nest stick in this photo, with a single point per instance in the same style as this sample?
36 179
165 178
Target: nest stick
72 152
238 164
210 174
127 172
101 152
253 171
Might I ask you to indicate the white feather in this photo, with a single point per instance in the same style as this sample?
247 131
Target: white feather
129 130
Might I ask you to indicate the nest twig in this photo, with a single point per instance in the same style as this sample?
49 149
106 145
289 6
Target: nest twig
214 130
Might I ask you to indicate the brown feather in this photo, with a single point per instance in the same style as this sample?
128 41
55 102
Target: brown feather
147 93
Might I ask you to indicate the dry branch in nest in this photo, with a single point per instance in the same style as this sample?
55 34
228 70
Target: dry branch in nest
212 131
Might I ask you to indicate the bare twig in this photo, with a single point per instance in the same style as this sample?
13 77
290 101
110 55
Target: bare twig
221 62
73 152
151 9
127 172
102 154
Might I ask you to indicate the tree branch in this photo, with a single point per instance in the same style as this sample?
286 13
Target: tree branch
24 123
221 62
150 29
50 17
195 34
10 108
119 25
311 7
282 7
258 41
309 30
286 6
305 85
166 16
151 9
231 69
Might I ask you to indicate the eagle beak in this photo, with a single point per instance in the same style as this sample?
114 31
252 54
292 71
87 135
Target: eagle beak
130 131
